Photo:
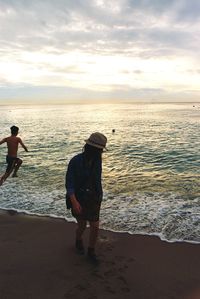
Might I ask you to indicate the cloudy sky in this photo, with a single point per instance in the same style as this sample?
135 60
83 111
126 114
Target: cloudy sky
67 50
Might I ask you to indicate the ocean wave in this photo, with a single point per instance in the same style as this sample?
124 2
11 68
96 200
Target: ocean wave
151 177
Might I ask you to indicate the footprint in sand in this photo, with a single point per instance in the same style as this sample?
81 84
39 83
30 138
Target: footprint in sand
77 290
122 279
125 290
110 290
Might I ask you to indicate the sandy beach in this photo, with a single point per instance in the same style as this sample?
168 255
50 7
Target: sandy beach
38 260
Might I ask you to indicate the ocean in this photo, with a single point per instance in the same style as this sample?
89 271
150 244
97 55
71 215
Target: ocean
151 171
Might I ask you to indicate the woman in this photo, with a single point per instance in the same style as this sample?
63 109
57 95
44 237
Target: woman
84 190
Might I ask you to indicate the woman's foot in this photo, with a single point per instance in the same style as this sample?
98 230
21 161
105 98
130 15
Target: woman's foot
79 247
92 256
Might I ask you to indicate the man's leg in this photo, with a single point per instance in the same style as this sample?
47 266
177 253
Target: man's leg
9 170
2 179
5 176
18 163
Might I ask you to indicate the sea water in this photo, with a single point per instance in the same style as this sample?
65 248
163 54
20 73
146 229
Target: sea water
151 171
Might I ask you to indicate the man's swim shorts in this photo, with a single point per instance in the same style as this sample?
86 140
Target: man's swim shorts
11 161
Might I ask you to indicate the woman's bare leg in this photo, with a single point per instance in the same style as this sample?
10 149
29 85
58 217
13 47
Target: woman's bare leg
80 229
79 233
94 230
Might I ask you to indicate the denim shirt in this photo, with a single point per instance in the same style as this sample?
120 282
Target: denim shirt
78 173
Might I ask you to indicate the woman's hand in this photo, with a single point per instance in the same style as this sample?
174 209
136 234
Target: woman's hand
75 205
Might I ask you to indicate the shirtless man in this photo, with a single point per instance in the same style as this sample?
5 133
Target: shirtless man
13 162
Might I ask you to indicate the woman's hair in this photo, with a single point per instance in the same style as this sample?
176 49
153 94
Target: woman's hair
91 152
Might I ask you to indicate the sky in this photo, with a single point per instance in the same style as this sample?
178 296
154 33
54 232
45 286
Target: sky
99 50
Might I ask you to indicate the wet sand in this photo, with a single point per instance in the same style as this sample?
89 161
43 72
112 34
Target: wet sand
38 260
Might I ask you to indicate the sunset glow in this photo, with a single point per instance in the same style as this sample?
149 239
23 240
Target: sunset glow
124 50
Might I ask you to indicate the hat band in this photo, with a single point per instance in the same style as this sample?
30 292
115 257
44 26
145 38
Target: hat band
96 143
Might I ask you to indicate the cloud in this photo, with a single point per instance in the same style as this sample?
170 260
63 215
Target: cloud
72 21
188 11
65 25
66 43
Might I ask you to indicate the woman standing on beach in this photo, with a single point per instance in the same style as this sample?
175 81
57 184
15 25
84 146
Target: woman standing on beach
84 191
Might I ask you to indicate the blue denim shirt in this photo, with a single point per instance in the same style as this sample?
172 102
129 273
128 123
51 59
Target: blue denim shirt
78 173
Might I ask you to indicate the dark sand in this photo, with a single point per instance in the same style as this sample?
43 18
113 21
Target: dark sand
38 260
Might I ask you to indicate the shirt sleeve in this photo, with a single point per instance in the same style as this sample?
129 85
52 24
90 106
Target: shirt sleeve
70 178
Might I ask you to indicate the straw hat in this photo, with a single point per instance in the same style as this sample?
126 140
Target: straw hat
97 140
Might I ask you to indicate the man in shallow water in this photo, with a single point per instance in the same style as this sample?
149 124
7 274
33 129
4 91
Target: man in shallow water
13 162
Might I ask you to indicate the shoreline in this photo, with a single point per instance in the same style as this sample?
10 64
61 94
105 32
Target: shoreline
15 211
38 260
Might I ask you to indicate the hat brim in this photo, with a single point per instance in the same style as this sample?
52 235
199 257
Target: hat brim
95 144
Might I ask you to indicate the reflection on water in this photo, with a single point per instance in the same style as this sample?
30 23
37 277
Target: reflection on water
150 172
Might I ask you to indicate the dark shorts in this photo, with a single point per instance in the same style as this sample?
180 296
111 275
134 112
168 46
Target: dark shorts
11 161
90 211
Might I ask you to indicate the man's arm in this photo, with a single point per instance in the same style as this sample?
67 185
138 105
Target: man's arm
23 145
2 141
